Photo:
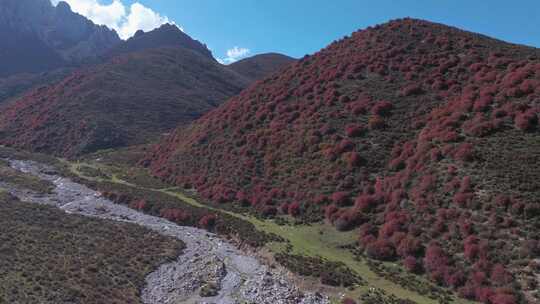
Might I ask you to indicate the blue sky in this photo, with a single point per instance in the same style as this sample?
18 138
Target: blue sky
299 27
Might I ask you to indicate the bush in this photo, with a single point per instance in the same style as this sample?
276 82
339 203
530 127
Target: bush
208 221
412 90
381 250
464 152
353 160
526 121
348 301
376 122
294 209
175 215
381 108
503 298
365 203
409 246
354 130
341 198
500 276
435 257
412 265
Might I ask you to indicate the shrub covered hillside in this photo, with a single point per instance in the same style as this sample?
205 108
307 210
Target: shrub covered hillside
128 100
422 135
261 66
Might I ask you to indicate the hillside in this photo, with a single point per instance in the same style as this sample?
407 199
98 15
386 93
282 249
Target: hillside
167 35
261 66
37 36
128 100
423 136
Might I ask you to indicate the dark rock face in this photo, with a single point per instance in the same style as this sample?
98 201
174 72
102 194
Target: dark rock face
37 36
168 35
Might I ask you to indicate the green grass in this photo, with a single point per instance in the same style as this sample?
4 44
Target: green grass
317 240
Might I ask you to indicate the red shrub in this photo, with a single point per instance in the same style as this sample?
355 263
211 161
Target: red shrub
345 145
139 205
365 203
348 301
294 209
175 215
462 199
526 121
284 208
381 250
411 264
348 219
483 294
435 257
354 130
411 90
500 276
504 298
483 103
464 152
470 248
454 278
467 292
208 221
381 108
341 198
409 246
329 211
353 160
376 122
242 198
268 211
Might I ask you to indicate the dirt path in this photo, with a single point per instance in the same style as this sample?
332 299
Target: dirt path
224 273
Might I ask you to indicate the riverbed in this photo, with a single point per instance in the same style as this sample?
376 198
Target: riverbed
209 270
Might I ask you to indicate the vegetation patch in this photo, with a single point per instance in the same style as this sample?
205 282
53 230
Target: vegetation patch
47 256
27 181
331 273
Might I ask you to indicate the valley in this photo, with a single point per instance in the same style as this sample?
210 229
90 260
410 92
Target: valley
398 164
205 262
315 240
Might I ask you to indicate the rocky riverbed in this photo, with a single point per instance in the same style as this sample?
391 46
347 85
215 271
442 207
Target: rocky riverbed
209 270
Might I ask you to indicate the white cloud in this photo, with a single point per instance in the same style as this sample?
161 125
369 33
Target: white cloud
235 54
126 21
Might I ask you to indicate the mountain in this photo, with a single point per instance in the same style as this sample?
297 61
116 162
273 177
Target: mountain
168 35
261 66
37 37
423 135
131 99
